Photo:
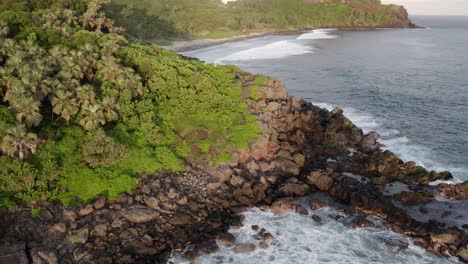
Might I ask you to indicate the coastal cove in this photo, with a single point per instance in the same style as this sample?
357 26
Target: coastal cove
323 146
387 80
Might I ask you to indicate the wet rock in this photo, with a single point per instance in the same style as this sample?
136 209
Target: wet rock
13 253
317 218
78 236
267 237
324 183
140 215
263 245
417 197
283 205
396 245
423 210
226 239
463 253
192 254
370 140
454 191
362 222
447 237
244 248
87 210
208 247
316 204
292 189
140 248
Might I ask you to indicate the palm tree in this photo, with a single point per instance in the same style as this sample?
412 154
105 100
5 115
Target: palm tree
64 104
92 117
27 110
85 94
18 143
108 108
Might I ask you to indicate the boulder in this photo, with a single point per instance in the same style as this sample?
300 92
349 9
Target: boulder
283 205
244 248
79 236
287 166
317 218
454 191
274 90
226 239
324 183
463 253
42 257
152 202
446 238
140 215
181 219
69 215
100 230
100 202
316 204
87 210
293 189
57 231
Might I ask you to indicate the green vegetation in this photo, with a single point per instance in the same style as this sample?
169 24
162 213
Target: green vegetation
150 20
82 110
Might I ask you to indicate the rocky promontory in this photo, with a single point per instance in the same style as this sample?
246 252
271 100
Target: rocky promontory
302 149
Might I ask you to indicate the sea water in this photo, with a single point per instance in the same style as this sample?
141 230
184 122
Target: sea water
410 85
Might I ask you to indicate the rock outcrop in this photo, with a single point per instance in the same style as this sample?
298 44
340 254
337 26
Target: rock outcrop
302 149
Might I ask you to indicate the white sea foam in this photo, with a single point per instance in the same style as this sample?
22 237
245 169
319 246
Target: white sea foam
318 34
276 50
299 239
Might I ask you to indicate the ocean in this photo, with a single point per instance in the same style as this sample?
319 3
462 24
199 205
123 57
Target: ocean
410 85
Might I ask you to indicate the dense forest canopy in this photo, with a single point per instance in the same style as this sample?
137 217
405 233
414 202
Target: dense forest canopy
82 110
171 19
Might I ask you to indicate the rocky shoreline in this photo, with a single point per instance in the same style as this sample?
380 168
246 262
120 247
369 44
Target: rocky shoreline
303 149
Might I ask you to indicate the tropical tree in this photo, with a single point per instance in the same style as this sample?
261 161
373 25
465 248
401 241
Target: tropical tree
109 109
27 110
64 104
92 117
18 143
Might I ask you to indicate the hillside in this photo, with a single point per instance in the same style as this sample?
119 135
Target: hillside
152 20
83 111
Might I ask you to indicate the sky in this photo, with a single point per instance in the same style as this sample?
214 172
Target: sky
433 7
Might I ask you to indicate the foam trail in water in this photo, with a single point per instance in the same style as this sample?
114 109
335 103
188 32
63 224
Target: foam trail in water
276 50
318 34
398 144
299 239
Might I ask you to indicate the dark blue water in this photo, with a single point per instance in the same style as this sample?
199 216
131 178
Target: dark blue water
410 85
